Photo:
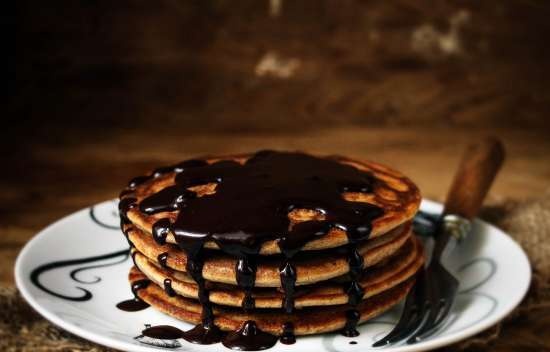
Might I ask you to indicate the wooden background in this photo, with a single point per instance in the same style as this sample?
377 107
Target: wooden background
106 90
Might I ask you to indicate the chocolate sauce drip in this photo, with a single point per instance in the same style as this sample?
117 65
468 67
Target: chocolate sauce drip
169 199
355 261
160 230
135 304
139 285
355 293
246 276
248 301
288 283
288 337
127 236
162 258
168 287
206 332
352 319
163 332
124 205
354 290
204 335
249 338
356 264
132 305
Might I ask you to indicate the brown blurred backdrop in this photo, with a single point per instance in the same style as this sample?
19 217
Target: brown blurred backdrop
234 66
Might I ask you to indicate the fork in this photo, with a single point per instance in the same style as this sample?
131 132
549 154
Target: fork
431 298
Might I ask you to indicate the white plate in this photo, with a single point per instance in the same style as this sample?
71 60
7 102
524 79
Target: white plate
493 270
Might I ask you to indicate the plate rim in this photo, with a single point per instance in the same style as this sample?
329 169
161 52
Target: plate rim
21 284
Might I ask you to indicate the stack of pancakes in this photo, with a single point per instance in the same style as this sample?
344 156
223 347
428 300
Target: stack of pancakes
279 243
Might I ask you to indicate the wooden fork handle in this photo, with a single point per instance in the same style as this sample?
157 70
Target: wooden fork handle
476 172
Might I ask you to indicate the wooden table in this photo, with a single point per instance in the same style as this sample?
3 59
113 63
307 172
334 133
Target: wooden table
54 178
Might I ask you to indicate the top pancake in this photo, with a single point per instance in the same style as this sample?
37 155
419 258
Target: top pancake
394 193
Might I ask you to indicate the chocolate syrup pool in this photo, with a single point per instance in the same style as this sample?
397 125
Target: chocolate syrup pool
250 206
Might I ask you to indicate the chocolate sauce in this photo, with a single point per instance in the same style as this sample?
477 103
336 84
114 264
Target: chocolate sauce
288 337
246 276
162 258
134 254
352 319
249 338
354 290
206 332
163 332
139 285
248 301
124 205
168 287
288 282
204 335
169 199
355 293
132 305
252 201
356 264
135 304
251 206
160 230
128 238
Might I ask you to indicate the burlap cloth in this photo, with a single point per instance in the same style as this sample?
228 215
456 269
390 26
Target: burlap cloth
21 329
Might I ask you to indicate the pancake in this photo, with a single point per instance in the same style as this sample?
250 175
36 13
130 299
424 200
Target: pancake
268 244
385 275
395 194
305 321
221 268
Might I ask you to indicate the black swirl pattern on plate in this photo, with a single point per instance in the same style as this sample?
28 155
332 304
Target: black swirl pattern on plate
85 295
96 219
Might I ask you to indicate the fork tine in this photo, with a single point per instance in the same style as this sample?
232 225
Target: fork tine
437 324
401 331
412 315
434 321
428 301
426 324
406 325
436 317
